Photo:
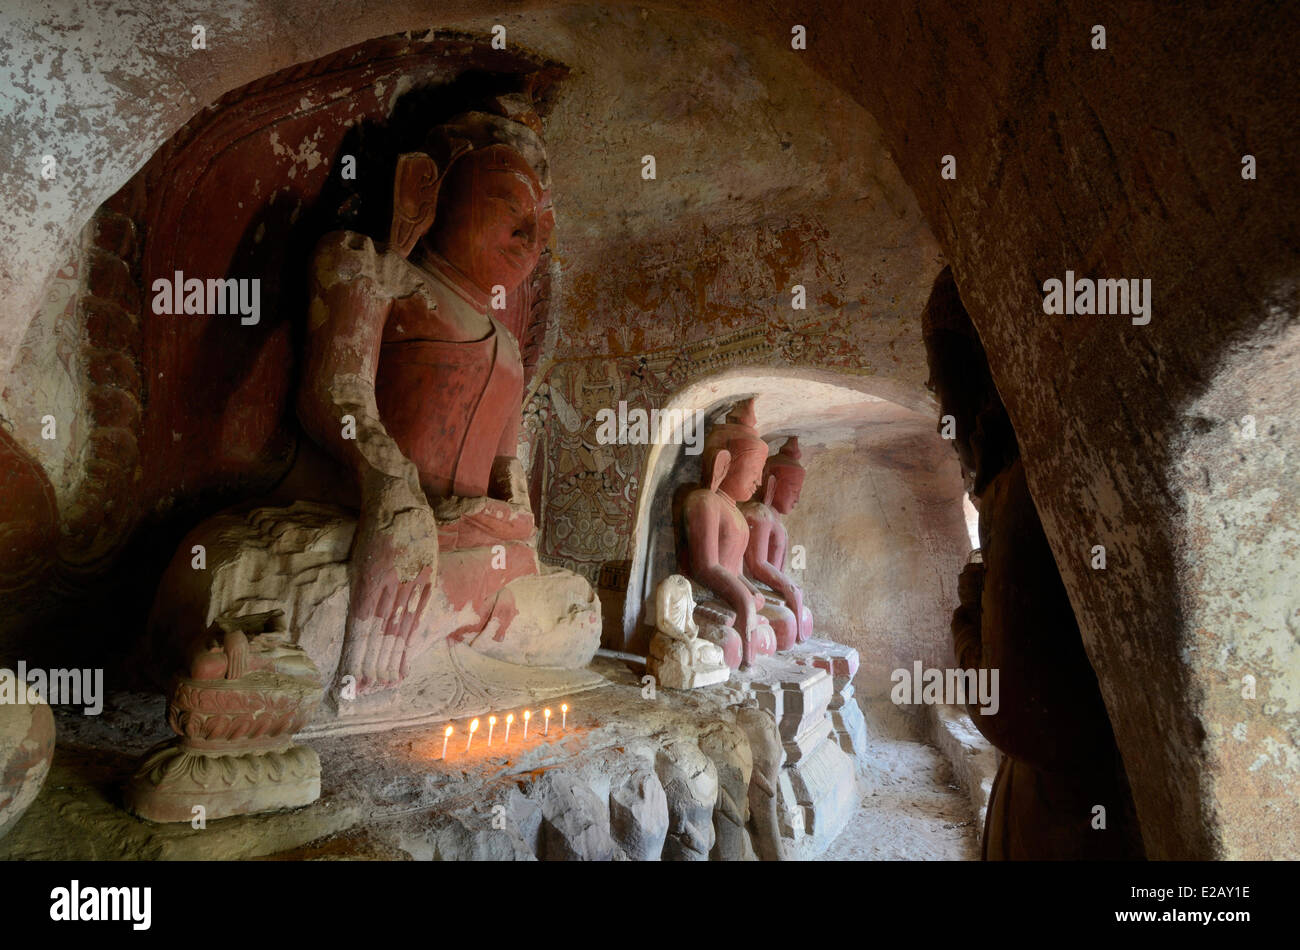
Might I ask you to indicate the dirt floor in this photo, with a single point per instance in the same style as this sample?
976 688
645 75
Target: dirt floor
913 810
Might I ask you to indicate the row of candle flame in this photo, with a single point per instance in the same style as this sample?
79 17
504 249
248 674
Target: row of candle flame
510 718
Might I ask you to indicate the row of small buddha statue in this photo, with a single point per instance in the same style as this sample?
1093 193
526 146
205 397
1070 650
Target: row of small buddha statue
733 592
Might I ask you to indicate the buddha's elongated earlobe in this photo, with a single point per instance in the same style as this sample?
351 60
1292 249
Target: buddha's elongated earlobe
415 200
721 463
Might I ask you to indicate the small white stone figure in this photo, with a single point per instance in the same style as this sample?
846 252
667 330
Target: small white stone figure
679 658
675 608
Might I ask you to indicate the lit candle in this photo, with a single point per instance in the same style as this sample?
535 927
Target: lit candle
527 715
546 731
473 728
492 722
445 736
509 719
564 715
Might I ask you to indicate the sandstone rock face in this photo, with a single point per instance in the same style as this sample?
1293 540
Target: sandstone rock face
472 837
767 757
899 543
638 814
507 828
690 781
728 750
575 822
1238 578
1127 439
26 749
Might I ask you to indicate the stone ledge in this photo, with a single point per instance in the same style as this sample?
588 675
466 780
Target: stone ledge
631 778
973 758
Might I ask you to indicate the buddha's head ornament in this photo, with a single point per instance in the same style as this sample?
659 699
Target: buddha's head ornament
478 196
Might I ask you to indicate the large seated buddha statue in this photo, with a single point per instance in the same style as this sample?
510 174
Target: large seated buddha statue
398 555
403 341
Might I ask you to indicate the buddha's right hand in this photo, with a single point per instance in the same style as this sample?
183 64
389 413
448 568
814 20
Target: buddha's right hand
747 621
393 567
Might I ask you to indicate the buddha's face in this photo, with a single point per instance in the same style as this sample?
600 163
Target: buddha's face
491 223
789 483
745 474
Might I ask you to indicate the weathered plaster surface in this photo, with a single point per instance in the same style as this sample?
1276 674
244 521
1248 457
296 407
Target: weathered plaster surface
882 523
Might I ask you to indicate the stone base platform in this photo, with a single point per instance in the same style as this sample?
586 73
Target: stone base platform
818 777
841 662
450 681
633 775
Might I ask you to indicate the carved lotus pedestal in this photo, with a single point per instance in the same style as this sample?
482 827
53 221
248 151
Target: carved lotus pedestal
235 754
